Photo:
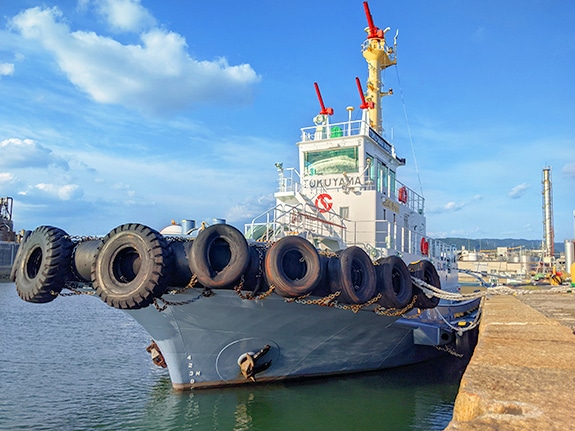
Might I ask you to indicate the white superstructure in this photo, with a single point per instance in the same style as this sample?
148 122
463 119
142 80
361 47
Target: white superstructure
346 192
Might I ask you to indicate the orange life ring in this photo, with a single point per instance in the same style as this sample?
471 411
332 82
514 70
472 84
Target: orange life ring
402 195
424 246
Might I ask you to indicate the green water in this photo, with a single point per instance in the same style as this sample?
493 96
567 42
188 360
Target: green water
77 364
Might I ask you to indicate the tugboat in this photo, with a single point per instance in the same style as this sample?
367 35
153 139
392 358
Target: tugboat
338 277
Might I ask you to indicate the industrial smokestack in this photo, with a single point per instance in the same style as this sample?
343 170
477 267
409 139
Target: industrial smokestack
548 232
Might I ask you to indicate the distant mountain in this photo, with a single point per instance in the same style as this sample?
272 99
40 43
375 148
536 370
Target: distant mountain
492 244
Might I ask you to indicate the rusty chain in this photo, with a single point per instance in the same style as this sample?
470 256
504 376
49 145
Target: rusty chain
449 350
382 311
325 301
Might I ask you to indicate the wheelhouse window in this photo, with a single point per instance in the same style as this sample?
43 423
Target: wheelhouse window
334 161
371 173
377 174
392 182
382 177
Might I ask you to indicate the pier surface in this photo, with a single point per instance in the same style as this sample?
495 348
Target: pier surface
522 373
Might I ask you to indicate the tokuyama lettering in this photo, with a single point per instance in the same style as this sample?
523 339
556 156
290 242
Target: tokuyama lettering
333 182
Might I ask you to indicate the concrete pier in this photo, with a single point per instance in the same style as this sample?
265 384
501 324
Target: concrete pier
522 373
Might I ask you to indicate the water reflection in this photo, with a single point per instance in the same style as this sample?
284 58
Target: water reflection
412 398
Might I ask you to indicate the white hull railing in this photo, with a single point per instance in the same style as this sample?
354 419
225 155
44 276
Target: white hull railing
268 226
383 234
415 201
378 238
289 181
284 219
309 219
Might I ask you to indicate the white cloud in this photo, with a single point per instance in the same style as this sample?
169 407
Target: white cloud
449 207
44 192
65 192
250 208
126 15
7 178
6 69
518 191
27 153
156 75
452 206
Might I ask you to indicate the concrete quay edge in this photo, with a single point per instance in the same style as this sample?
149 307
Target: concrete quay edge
521 375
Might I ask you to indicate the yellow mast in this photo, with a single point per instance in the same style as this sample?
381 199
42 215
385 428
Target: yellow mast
379 56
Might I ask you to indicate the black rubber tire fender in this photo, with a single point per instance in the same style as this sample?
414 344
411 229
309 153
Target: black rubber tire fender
393 282
219 256
43 264
83 258
425 270
131 267
180 275
323 289
292 266
354 275
254 274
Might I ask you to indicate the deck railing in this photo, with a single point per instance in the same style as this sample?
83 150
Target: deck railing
283 220
414 200
335 130
289 180
388 235
372 236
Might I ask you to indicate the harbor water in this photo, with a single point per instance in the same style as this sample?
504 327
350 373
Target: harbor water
77 364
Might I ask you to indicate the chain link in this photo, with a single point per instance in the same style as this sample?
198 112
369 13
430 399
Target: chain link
206 293
415 315
191 284
74 288
356 307
328 253
159 307
325 301
78 239
250 295
449 350
382 311
329 301
176 238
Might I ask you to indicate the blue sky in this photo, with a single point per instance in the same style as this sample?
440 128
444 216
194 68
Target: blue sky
116 111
